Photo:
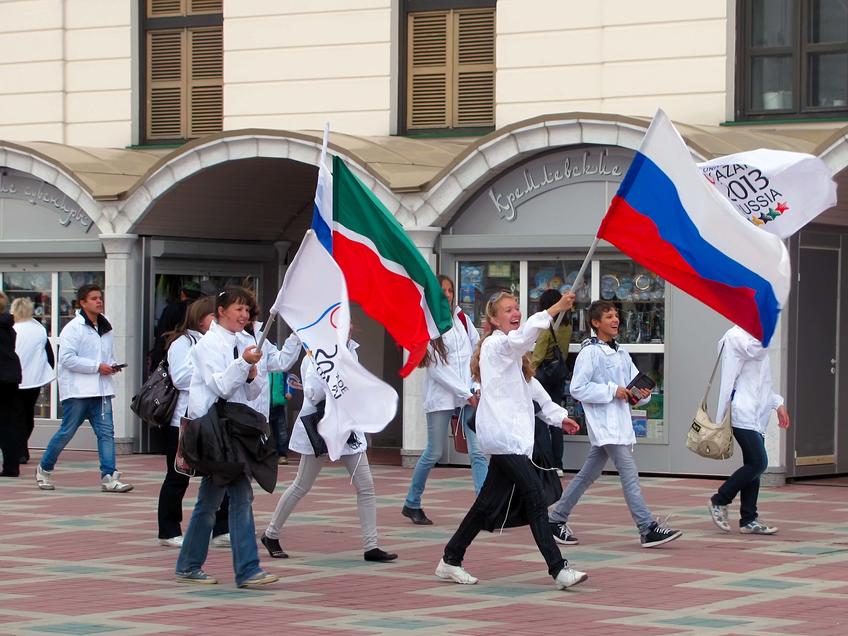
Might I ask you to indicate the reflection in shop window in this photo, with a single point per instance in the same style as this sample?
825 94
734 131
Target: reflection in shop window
480 280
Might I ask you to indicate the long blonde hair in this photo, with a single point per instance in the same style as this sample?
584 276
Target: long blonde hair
488 328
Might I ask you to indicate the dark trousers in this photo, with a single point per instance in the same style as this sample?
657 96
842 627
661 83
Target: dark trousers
506 472
12 431
277 419
28 399
746 480
553 445
172 492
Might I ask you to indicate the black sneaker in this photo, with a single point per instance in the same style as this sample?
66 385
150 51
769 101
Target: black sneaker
275 550
659 534
562 534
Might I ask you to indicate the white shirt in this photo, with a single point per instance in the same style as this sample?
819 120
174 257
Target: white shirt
218 373
313 392
505 418
30 344
81 351
273 359
598 372
447 384
180 368
745 368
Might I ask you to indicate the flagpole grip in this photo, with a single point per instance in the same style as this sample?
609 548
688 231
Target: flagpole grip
272 316
578 282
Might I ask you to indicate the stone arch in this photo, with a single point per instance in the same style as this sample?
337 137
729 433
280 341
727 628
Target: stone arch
245 144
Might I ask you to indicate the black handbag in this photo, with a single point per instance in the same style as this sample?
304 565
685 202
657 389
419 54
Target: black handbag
310 424
552 373
157 398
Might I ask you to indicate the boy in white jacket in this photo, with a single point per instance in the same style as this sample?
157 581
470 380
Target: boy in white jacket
601 374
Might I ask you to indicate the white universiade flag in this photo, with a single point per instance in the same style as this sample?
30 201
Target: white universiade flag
313 301
776 190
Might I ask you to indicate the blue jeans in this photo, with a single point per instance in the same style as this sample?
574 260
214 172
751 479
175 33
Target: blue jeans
277 419
242 530
628 474
745 482
438 423
98 411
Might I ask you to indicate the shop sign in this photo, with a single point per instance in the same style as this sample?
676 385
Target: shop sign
37 192
539 177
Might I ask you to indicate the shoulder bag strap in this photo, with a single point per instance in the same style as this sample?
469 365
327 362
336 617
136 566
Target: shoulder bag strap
712 375
556 343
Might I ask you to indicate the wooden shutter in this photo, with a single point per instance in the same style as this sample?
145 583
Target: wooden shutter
165 8
205 6
474 68
206 81
428 70
165 84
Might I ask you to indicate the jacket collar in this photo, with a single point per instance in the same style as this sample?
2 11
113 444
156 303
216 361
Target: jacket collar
228 336
102 327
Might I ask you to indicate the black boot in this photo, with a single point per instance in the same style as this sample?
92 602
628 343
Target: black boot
416 515
376 554
274 547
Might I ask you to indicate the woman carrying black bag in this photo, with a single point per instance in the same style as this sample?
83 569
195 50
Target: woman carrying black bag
549 361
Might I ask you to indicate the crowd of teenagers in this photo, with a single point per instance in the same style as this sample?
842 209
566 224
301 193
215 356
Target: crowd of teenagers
229 426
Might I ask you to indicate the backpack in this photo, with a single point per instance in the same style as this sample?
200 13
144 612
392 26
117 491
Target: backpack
552 373
157 398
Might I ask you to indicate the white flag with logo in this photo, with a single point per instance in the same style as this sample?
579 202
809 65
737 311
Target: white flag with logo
776 190
313 301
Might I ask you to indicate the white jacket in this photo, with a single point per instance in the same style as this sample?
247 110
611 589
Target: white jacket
30 344
81 350
180 368
746 382
314 392
273 359
505 418
219 372
447 385
598 371
551 413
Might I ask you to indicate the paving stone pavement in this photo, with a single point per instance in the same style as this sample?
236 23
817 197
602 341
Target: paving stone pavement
78 561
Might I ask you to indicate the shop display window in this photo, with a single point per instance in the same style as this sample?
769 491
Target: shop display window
480 280
167 288
561 275
55 303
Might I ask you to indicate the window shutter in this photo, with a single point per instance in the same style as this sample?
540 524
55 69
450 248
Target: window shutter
206 6
428 69
474 93
165 8
206 81
165 81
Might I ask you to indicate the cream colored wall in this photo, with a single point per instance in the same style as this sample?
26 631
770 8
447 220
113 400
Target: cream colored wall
294 65
612 56
65 71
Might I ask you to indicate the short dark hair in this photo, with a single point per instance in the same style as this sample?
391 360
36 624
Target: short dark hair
548 299
598 308
85 290
232 295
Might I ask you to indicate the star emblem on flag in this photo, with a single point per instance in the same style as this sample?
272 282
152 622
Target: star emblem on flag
781 207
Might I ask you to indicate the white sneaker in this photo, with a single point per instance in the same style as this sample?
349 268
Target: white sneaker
173 542
112 483
454 573
569 576
43 478
221 541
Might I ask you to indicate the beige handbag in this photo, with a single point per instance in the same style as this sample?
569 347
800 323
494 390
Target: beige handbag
707 438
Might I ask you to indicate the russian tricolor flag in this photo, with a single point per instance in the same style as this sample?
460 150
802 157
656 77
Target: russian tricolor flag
668 218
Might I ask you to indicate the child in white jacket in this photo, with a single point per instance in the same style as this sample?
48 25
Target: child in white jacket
601 374
505 429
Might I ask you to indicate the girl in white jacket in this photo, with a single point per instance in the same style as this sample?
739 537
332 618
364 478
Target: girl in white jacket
505 429
447 387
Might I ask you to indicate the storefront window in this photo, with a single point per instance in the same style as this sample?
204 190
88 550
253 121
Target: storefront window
42 287
168 288
560 275
640 298
480 280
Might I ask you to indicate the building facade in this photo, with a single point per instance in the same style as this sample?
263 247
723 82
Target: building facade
151 142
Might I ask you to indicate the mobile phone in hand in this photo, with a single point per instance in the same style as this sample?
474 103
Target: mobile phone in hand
118 367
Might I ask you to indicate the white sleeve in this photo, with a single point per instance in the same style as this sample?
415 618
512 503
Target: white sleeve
445 375
285 358
520 341
222 383
582 388
553 414
180 367
731 365
69 353
314 388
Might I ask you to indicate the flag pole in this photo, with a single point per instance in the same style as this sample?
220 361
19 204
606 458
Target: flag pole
578 282
272 316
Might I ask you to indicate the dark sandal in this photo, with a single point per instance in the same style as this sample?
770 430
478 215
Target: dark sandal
274 548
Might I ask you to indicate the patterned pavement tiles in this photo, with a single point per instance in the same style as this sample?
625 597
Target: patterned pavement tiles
77 562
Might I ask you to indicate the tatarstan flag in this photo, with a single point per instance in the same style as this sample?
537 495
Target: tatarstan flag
384 271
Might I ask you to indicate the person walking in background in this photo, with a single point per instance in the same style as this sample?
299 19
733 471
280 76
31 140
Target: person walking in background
746 390
277 413
86 366
172 316
178 345
447 387
602 372
354 459
505 428
11 419
548 360
37 362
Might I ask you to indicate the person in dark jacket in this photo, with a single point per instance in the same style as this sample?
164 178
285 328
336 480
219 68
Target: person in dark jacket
12 431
